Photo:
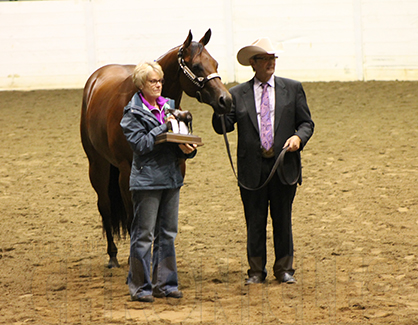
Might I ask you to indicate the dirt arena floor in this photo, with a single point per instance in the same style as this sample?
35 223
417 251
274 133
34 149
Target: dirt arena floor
355 220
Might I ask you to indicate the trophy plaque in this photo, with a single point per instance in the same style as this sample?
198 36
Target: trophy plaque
178 138
180 129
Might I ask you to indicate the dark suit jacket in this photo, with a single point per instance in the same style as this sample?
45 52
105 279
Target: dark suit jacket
292 117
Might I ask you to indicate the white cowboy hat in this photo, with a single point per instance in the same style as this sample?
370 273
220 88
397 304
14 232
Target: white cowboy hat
260 46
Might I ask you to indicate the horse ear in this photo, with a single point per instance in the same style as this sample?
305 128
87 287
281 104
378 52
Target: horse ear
205 39
188 40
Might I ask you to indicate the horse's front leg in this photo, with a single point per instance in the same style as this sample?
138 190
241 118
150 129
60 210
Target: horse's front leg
124 175
183 167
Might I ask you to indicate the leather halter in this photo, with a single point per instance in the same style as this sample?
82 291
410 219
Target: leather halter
198 81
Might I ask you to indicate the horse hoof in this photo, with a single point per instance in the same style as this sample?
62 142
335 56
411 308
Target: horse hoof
113 262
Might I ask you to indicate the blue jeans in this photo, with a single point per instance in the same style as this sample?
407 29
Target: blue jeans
155 221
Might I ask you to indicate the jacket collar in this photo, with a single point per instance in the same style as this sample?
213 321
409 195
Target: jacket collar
137 105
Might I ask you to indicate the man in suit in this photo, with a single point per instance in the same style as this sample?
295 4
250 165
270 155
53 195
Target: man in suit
271 114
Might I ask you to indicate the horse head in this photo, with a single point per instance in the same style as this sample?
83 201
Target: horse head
199 77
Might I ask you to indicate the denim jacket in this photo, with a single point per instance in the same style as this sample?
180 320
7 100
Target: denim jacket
154 167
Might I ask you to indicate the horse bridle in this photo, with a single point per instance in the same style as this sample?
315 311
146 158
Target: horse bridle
198 81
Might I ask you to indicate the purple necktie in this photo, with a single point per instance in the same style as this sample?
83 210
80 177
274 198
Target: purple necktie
266 131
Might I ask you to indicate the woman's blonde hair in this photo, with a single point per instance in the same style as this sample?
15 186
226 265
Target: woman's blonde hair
141 71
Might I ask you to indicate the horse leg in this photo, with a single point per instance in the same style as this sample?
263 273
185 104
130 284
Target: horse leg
124 174
183 167
99 178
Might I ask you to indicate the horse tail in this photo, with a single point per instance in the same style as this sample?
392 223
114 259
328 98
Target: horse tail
117 208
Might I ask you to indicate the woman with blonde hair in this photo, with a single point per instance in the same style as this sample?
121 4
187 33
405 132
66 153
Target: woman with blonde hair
155 184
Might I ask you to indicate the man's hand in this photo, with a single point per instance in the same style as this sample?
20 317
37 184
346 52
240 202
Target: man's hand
293 143
188 148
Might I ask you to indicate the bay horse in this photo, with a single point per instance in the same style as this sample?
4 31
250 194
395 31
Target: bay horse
189 68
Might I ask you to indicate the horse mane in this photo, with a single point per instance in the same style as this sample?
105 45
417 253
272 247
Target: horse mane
196 49
168 52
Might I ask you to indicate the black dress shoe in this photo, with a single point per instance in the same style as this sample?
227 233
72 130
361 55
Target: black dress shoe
173 294
254 280
146 298
287 278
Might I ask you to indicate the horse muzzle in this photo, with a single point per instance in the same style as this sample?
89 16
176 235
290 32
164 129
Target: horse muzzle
222 104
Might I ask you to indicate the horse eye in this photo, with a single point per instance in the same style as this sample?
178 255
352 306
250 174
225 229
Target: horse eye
197 68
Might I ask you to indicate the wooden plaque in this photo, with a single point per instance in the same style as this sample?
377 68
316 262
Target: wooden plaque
178 138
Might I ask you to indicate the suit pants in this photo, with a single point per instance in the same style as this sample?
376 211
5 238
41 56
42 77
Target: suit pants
280 199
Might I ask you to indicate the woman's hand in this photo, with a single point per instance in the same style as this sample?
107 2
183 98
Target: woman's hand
170 117
168 122
187 148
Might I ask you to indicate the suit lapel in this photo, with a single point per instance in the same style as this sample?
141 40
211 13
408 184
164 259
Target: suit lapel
281 94
248 99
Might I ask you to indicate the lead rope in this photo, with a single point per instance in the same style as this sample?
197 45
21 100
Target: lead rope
228 150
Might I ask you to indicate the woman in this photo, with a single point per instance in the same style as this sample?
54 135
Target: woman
155 183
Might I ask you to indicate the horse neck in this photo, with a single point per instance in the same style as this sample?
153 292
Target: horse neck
171 68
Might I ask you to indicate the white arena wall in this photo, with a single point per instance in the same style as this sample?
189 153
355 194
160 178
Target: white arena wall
58 44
